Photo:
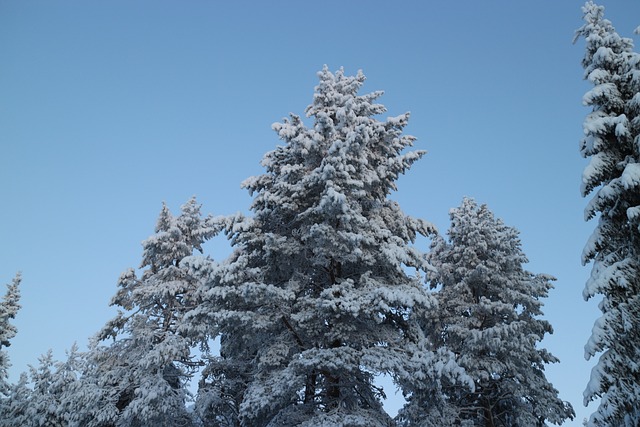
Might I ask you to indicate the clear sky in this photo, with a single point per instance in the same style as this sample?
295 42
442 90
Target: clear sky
109 108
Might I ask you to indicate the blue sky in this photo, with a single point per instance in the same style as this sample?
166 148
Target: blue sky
109 108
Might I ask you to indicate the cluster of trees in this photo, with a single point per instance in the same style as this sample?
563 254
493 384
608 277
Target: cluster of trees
323 293
326 289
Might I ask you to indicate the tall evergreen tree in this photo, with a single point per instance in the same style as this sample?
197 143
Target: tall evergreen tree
488 315
316 299
613 174
140 378
9 307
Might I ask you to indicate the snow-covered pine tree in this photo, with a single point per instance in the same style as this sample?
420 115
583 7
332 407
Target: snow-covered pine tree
140 378
13 409
488 315
65 380
613 174
9 307
41 397
316 299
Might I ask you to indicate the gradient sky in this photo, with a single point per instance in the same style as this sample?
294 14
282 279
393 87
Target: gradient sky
109 108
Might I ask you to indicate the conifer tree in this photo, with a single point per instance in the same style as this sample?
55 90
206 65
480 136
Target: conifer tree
13 410
9 307
316 298
43 399
488 315
613 175
40 397
140 378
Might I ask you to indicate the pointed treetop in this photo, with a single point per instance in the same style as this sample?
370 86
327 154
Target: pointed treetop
8 309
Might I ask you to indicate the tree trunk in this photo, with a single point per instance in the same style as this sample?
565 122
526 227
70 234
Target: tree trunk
310 388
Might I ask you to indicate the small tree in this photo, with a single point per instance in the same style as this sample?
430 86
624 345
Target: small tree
613 173
13 410
489 309
39 398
